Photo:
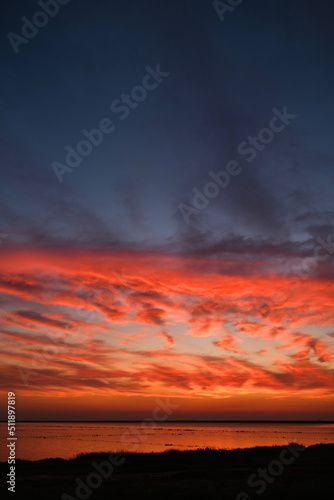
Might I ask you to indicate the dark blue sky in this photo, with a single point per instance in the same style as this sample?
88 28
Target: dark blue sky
224 80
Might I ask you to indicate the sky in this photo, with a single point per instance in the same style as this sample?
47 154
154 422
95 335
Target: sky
166 209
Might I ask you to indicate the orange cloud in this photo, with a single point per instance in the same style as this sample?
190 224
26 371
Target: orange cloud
73 323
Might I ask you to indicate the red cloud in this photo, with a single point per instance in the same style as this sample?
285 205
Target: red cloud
228 343
84 318
170 340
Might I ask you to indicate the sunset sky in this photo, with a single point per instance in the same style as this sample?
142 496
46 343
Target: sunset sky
108 297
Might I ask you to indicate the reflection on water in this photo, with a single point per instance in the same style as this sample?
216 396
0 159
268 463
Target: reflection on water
65 440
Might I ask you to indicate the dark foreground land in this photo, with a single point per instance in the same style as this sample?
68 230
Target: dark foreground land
197 475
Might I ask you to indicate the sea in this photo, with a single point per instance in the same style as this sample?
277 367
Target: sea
40 440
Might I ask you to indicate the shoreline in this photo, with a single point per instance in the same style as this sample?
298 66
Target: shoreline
306 473
173 451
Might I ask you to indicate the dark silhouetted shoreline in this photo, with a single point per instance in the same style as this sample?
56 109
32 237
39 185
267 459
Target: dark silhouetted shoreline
206 474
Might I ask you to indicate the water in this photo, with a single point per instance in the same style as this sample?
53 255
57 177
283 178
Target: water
40 440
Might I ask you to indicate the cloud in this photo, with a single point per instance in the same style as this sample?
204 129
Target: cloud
70 316
169 338
227 342
151 315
